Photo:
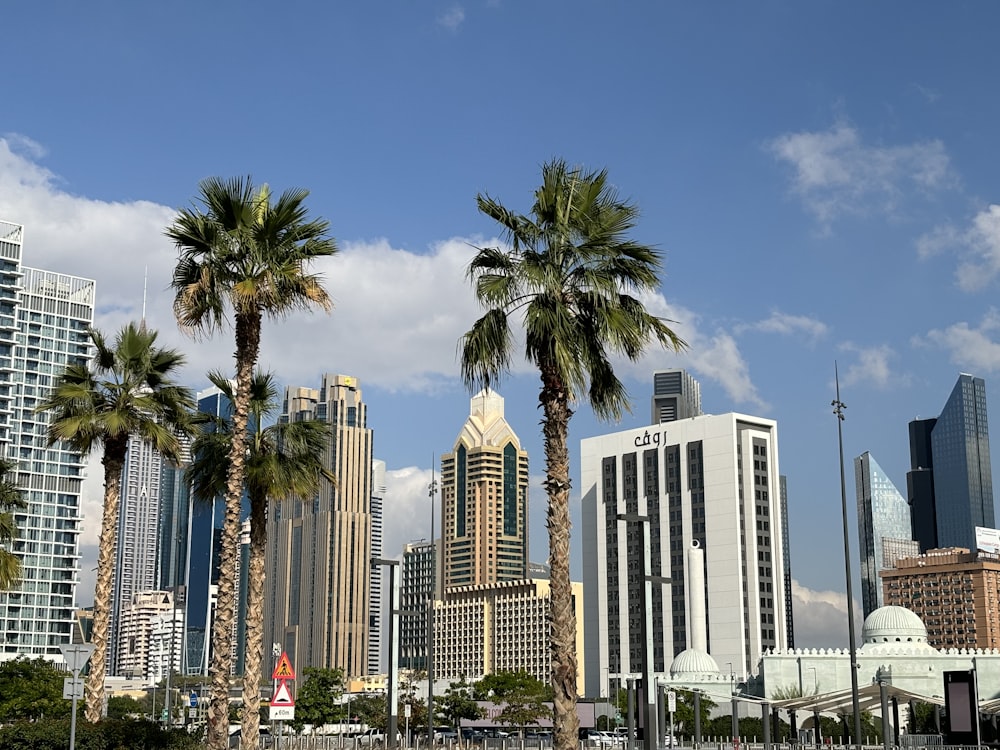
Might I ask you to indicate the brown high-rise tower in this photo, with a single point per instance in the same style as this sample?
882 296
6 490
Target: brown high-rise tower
319 551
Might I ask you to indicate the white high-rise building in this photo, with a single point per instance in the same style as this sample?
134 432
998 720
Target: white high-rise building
708 479
136 544
44 317
150 632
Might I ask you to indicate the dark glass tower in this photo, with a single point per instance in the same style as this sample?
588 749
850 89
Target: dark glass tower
950 484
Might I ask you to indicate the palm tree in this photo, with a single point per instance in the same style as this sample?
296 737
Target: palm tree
573 277
126 391
284 461
241 256
11 501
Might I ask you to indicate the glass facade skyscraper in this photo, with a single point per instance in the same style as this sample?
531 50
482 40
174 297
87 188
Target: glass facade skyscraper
44 317
950 479
884 533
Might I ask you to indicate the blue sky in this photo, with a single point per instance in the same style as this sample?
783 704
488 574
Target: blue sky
819 176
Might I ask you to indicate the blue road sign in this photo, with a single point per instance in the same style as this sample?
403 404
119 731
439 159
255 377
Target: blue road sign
194 699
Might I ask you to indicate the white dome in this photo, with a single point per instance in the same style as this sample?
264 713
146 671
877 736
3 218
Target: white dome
893 625
693 661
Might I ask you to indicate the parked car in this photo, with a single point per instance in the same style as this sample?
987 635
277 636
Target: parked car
445 734
373 736
472 733
603 739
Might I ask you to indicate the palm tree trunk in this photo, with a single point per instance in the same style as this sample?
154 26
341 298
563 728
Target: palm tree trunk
562 638
113 460
247 348
254 657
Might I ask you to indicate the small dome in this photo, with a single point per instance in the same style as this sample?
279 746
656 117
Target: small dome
893 625
693 661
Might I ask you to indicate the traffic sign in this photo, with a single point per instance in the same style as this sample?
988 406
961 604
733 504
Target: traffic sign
282 697
671 701
193 698
73 687
282 713
76 655
283 671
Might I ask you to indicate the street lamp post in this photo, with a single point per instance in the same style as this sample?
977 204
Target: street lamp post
838 410
432 491
735 725
392 682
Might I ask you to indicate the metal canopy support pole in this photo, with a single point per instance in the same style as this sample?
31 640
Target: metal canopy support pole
630 718
765 716
883 694
661 714
697 719
647 700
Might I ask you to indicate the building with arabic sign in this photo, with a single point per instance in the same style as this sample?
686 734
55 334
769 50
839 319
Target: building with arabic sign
709 479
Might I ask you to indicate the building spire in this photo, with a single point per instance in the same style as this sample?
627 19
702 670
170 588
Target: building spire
145 279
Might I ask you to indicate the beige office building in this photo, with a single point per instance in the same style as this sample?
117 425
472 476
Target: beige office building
484 500
319 551
500 627
955 592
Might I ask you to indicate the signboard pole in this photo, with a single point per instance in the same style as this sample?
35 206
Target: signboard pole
76 655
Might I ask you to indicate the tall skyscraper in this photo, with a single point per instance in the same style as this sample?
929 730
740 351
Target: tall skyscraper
416 585
375 595
136 550
319 551
44 317
676 395
786 554
484 499
710 479
950 482
884 533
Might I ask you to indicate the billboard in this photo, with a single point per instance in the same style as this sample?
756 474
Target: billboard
988 540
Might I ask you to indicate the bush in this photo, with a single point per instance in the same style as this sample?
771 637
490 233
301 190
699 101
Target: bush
111 734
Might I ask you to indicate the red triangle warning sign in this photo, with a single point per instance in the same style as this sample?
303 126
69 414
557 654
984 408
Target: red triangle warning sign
282 697
283 671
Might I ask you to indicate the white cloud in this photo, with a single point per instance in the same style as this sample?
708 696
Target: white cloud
452 18
836 174
787 325
872 366
821 618
971 348
396 323
977 246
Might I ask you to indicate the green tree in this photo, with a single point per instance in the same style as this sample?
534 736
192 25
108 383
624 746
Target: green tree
684 715
575 280
31 689
125 707
457 704
370 710
127 391
318 699
11 501
244 257
283 461
522 697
